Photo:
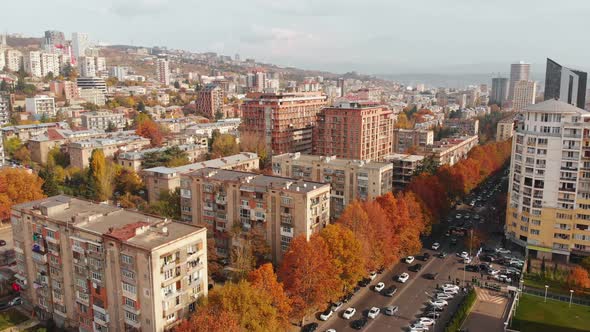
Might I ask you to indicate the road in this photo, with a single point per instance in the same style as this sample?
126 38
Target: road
412 296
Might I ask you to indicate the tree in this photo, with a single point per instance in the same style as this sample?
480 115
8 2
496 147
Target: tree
127 181
111 127
474 240
176 85
151 130
18 186
90 106
171 157
403 122
218 115
11 145
585 263
210 320
346 254
23 155
168 205
224 145
250 142
50 186
309 276
58 157
265 280
99 181
578 277
428 165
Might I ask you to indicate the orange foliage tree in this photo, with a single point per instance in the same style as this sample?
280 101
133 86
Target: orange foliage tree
346 254
210 320
265 280
579 277
18 186
148 128
310 278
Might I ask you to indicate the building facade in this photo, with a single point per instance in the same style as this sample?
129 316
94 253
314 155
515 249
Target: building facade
500 90
405 139
81 151
463 127
210 101
348 179
355 130
278 208
163 71
505 129
518 72
404 167
565 84
548 208
102 120
449 151
284 120
41 106
524 93
96 267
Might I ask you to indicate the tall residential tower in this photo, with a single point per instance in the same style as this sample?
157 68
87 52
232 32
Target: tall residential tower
565 84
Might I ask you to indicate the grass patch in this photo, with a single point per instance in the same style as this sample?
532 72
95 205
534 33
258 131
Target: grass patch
555 287
11 318
534 315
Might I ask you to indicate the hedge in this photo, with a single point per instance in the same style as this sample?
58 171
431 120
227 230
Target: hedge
461 314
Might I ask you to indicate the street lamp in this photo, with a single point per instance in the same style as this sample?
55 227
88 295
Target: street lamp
433 314
546 286
571 294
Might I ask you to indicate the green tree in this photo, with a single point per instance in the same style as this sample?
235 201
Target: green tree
218 115
90 106
428 166
99 182
11 145
171 157
224 145
111 127
168 205
4 86
176 85
50 184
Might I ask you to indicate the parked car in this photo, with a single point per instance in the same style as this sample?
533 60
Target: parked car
311 327
364 282
391 310
463 254
450 291
442 254
503 251
415 268
374 312
347 297
438 303
450 286
467 260
410 259
425 256
379 287
435 246
15 301
431 276
472 268
426 321
444 296
336 306
433 314
326 314
372 275
390 291
502 278
403 277
417 327
348 313
359 323
493 272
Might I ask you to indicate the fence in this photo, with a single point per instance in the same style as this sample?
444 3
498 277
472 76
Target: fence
558 297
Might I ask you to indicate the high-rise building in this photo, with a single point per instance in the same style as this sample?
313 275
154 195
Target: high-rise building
100 64
14 60
276 208
210 100
549 186
5 107
523 94
91 83
87 66
33 64
565 84
354 130
500 87
80 42
119 72
518 72
52 39
284 120
49 64
96 267
163 71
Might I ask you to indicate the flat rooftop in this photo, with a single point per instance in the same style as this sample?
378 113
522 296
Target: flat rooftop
404 157
329 160
215 163
138 229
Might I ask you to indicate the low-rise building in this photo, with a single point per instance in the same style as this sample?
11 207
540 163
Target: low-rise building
133 159
226 126
404 167
96 267
406 139
65 89
102 120
26 132
165 179
505 129
279 208
81 151
40 106
40 146
463 127
449 151
349 179
94 96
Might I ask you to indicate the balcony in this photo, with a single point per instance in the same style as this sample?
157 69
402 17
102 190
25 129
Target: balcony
133 323
83 298
39 257
571 190
195 264
221 199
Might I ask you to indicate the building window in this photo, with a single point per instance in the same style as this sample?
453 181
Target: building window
129 302
130 316
168 274
129 288
126 259
128 274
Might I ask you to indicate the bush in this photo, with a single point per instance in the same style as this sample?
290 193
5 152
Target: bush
462 312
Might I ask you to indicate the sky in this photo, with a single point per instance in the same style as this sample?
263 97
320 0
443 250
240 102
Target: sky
369 36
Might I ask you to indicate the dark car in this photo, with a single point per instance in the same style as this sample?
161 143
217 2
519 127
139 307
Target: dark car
365 282
310 327
347 297
431 314
431 276
415 268
390 291
442 254
453 241
472 268
434 308
381 270
356 289
425 256
359 323
484 267
488 258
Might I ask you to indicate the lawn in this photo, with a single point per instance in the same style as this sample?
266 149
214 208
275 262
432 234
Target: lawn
533 315
11 318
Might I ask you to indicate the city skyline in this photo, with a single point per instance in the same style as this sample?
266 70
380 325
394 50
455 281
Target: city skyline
386 37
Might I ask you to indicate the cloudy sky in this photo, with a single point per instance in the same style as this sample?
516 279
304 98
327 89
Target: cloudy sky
371 36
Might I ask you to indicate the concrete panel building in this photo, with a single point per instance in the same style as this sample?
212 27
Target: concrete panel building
210 101
40 106
101 120
81 151
505 129
404 139
404 167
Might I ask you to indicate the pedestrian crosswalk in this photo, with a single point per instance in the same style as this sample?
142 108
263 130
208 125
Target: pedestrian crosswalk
485 295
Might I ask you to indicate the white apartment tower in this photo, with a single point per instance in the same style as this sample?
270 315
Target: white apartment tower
518 72
33 64
163 71
548 209
523 94
87 66
80 43
14 60
49 64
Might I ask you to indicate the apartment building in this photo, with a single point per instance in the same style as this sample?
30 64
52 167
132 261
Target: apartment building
280 208
210 100
159 179
524 94
505 129
65 89
26 132
163 71
549 188
224 126
14 60
33 63
84 83
405 139
87 66
349 179
49 64
354 130
133 159
449 151
463 127
94 96
284 120
81 151
6 101
40 106
96 267
404 168
102 120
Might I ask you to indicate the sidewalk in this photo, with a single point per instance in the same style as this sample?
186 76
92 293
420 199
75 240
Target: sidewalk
487 314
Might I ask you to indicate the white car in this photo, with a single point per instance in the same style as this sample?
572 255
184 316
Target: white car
503 278
463 254
450 286
417 327
458 216
403 277
503 251
438 303
426 321
336 306
374 312
330 330
372 275
444 296
326 314
348 313
410 259
379 287
435 246
467 260
493 272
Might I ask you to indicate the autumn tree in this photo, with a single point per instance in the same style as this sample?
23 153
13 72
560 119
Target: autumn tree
22 155
224 145
18 186
355 218
474 240
11 145
250 142
148 128
346 254
210 320
168 204
310 278
99 177
578 277
265 280
127 181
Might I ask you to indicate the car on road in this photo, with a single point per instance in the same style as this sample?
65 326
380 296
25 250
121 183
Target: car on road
379 287
449 286
450 291
409 259
493 272
432 314
426 321
463 254
458 216
390 291
435 246
453 241
403 277
364 282
425 256
311 327
467 260
15 301
390 310
373 312
372 275
326 314
503 251
444 296
431 276
415 268
442 254
359 323
438 303
472 268
502 278
336 306
418 327
348 313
